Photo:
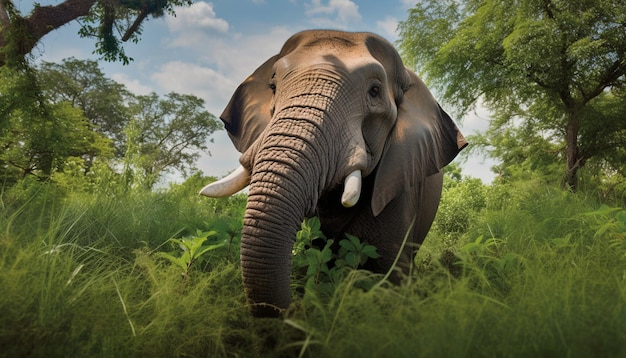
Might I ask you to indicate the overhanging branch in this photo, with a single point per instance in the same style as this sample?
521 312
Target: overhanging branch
23 33
4 15
131 30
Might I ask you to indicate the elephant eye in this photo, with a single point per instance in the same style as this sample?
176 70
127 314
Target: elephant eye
374 91
272 84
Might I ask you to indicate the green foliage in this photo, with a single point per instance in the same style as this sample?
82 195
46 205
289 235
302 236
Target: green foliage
538 271
353 253
161 133
106 21
554 70
326 265
38 137
610 223
193 249
524 152
461 203
110 22
67 121
83 85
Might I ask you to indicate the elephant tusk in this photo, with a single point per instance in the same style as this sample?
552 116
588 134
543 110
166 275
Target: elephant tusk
351 189
229 185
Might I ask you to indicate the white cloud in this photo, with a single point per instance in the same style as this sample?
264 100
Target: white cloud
345 12
407 4
475 165
133 85
190 78
388 26
240 56
200 16
215 64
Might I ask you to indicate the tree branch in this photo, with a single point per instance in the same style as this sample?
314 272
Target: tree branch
5 22
131 30
547 8
612 74
45 19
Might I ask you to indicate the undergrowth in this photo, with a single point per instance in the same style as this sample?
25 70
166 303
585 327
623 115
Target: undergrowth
529 271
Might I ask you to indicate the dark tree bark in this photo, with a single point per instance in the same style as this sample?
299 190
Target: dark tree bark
21 34
572 153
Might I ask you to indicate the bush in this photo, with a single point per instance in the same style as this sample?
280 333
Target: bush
460 205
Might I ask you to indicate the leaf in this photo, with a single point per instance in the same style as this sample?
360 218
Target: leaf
207 249
181 243
340 263
174 260
348 245
195 243
352 259
314 224
604 210
327 253
370 251
603 229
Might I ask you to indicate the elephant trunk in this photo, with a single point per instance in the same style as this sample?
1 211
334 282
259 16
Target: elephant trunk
270 226
289 173
298 158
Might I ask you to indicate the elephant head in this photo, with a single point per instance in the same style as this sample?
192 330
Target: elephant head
334 126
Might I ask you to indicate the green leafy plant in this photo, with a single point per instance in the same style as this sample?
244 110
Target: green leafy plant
326 265
354 253
192 249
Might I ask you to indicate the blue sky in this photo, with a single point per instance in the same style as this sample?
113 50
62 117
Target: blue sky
210 47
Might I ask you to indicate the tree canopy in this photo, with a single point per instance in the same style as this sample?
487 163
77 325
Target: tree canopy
83 85
75 120
557 67
164 135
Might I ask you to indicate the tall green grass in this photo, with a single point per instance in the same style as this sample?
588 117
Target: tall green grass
533 271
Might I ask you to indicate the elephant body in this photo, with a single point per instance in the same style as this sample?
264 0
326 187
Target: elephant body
386 230
333 126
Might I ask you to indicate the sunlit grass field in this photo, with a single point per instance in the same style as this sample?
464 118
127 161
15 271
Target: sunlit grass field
507 271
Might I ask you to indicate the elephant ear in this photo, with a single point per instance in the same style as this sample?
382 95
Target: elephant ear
249 110
423 140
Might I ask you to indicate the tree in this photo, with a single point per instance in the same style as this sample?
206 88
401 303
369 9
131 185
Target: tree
522 150
165 135
58 112
83 85
68 116
557 64
40 146
110 22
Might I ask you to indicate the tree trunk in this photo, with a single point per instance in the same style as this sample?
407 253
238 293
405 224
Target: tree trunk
572 153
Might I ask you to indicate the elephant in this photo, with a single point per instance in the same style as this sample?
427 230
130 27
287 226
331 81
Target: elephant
333 126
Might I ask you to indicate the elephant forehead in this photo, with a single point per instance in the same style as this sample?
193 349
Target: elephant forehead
329 42
348 62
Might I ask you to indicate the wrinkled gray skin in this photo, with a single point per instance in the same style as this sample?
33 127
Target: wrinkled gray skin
330 103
